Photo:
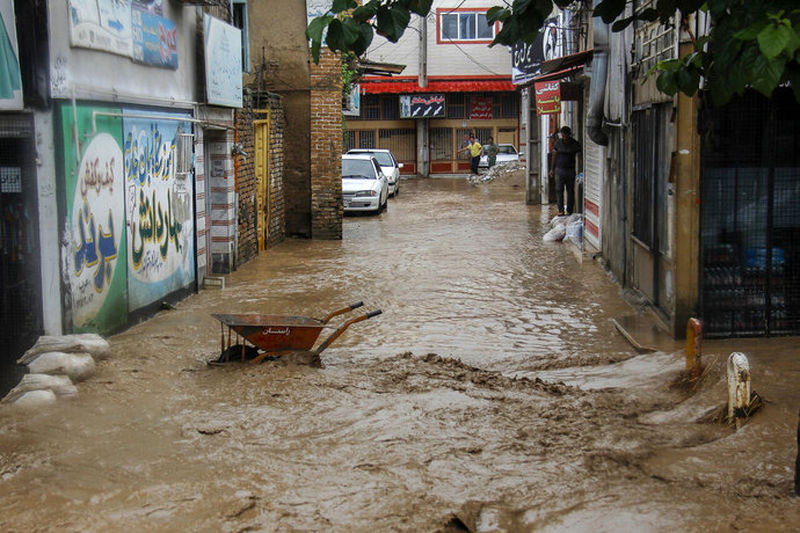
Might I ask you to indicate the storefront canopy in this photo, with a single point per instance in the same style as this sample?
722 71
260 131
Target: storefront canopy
436 85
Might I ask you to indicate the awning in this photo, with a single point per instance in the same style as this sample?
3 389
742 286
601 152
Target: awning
411 85
559 74
561 67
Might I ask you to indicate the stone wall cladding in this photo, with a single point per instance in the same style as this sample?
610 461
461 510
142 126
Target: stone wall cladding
326 147
246 177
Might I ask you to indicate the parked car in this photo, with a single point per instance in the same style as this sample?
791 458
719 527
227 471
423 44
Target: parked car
505 153
389 165
364 186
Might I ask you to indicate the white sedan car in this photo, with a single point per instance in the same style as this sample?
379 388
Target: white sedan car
505 153
364 187
389 166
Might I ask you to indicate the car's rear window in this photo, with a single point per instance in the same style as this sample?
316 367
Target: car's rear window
384 159
358 168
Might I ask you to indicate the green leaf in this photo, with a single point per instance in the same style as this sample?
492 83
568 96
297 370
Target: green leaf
751 32
366 11
648 14
364 39
421 7
773 39
609 10
666 82
343 5
621 24
392 21
351 31
687 80
767 73
497 13
317 26
335 36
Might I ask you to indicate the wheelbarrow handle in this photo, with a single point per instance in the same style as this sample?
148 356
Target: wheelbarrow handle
343 327
338 312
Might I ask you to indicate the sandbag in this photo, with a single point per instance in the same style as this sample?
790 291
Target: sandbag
555 234
60 385
558 220
36 398
78 366
90 343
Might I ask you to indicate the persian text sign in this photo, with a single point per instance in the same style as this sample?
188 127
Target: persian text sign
548 97
481 107
159 210
422 105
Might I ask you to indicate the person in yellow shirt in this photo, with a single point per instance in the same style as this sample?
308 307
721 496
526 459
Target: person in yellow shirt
475 151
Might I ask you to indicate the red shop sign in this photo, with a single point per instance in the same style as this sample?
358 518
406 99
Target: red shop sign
548 97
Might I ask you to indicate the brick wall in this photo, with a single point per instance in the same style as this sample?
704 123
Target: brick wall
245 172
326 147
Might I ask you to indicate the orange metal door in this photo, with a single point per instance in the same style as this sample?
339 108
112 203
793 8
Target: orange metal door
261 135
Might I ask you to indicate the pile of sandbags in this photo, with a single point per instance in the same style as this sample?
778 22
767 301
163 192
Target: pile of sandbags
565 227
497 171
55 363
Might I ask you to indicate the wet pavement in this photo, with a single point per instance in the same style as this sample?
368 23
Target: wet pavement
493 394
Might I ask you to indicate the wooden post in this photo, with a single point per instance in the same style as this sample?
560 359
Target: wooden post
694 346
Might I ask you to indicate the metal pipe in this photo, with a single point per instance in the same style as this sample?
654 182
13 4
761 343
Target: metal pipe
597 91
202 122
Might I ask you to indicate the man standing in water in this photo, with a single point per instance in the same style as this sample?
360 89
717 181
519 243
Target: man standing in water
563 166
474 149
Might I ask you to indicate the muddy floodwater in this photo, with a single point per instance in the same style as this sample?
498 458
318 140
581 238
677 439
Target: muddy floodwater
493 394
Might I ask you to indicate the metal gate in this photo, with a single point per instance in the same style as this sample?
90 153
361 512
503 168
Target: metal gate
750 217
20 296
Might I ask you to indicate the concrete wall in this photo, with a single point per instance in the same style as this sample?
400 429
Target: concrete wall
280 63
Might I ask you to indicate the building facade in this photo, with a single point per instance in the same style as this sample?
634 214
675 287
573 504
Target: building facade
453 85
116 163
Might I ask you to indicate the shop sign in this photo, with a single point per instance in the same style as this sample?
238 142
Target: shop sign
548 97
481 108
422 105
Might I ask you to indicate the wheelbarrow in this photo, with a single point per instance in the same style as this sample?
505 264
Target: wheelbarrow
273 336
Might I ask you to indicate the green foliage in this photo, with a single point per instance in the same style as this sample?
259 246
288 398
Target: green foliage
752 43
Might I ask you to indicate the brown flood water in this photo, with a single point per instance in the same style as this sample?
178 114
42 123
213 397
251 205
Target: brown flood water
493 394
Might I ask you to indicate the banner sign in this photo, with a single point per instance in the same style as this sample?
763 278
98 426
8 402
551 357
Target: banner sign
10 78
155 40
101 26
527 59
422 105
548 97
481 108
223 55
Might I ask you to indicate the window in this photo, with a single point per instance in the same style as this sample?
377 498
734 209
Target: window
240 21
464 26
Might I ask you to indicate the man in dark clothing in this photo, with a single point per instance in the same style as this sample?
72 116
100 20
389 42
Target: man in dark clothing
562 165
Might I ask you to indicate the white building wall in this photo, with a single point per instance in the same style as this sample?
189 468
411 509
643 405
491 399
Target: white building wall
444 59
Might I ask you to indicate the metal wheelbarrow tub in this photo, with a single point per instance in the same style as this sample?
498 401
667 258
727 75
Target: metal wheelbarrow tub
276 335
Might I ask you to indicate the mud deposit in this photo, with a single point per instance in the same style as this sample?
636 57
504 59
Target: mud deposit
493 394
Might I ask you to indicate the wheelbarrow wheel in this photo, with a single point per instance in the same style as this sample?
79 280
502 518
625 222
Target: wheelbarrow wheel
234 353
